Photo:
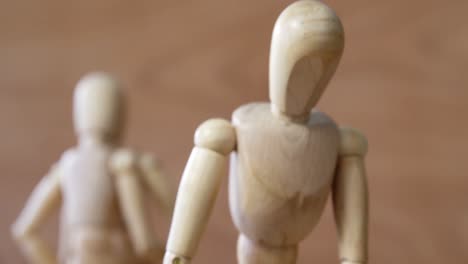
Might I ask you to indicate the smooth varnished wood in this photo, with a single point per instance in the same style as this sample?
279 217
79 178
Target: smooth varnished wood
198 188
280 174
350 197
249 251
285 155
217 135
306 47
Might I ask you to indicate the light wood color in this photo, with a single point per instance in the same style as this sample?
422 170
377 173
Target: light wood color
284 156
130 191
281 174
252 252
98 108
198 188
350 197
101 189
306 47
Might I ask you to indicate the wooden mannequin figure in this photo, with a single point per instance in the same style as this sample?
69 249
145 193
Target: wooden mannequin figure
101 188
286 157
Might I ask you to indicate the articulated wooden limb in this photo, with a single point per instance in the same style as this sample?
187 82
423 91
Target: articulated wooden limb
350 198
198 188
131 197
196 196
43 200
157 182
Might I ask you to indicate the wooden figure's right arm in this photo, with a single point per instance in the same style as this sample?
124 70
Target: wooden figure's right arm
214 140
131 197
43 200
350 198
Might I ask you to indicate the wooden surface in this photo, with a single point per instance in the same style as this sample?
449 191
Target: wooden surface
401 81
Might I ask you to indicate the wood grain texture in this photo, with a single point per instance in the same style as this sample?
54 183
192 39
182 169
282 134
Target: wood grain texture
401 81
281 174
284 155
306 47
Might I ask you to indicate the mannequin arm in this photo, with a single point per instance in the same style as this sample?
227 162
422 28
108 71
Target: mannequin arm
200 182
350 198
131 198
44 199
154 178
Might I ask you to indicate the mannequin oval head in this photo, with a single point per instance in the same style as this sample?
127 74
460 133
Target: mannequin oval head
306 47
98 107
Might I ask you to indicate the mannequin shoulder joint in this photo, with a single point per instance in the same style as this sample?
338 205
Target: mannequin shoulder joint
216 134
353 142
122 161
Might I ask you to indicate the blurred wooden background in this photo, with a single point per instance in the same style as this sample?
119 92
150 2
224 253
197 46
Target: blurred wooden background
402 81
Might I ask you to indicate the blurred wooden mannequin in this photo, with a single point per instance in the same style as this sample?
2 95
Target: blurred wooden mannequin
286 157
101 189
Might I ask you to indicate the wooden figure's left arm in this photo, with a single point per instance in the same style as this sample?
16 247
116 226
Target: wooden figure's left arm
350 198
44 199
